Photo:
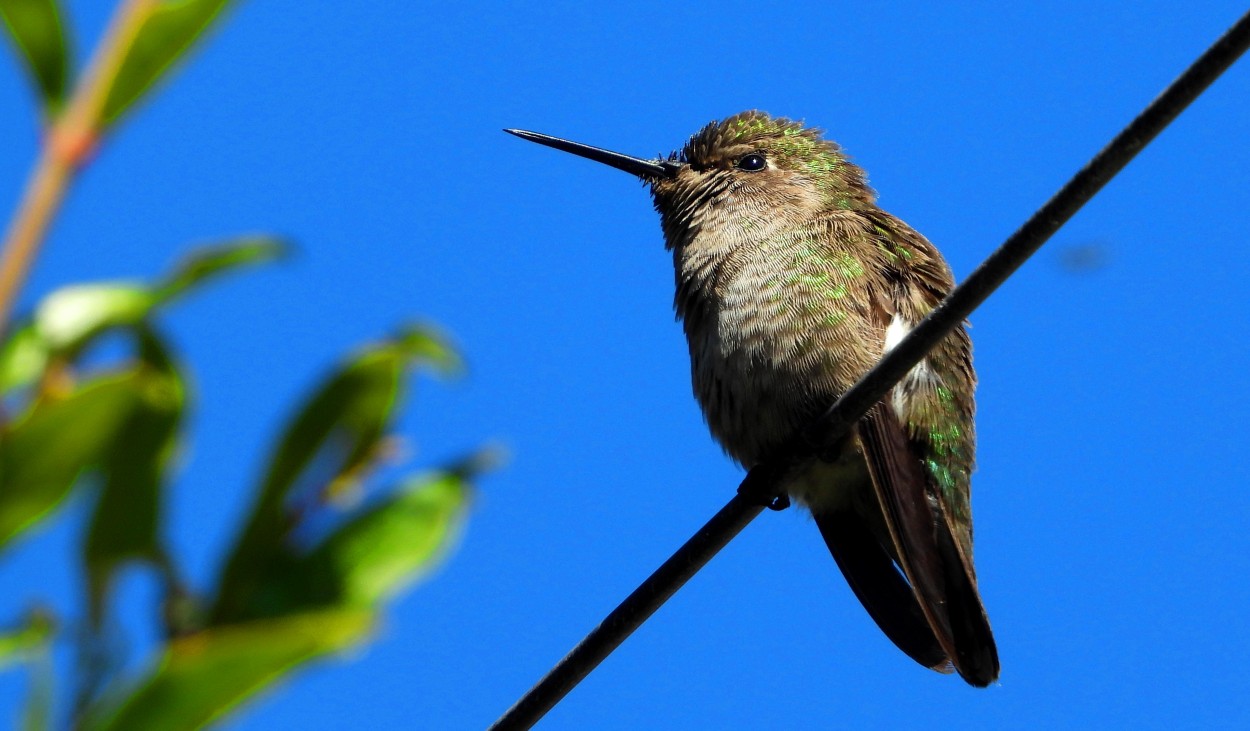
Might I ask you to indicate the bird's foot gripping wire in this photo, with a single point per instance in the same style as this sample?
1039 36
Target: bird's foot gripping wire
758 490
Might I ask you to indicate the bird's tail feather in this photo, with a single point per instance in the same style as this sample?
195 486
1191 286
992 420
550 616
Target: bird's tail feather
940 575
880 587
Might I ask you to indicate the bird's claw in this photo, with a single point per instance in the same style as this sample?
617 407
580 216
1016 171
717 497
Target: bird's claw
758 497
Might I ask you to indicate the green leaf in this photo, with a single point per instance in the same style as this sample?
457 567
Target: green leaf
126 520
425 343
36 29
203 676
67 321
207 262
161 40
71 318
23 356
72 315
333 440
381 549
45 449
394 542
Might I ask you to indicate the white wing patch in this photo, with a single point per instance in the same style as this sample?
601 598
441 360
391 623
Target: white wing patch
895 333
917 377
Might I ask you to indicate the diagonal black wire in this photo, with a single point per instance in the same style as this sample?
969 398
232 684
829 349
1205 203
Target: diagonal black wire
767 481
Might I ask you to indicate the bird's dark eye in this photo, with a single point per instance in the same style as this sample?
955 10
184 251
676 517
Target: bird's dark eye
752 163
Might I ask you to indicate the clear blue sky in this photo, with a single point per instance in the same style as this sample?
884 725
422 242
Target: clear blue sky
1111 507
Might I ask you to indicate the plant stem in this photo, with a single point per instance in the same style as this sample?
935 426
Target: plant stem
71 138
42 198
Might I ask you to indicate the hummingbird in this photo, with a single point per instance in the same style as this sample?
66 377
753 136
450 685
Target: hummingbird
791 283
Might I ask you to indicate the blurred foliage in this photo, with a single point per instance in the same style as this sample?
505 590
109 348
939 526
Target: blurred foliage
280 599
165 35
323 548
164 31
35 28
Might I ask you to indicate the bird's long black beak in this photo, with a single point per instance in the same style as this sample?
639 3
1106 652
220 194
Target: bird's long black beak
645 169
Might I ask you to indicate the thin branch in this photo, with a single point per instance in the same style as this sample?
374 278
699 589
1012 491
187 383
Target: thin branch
767 481
42 198
69 141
